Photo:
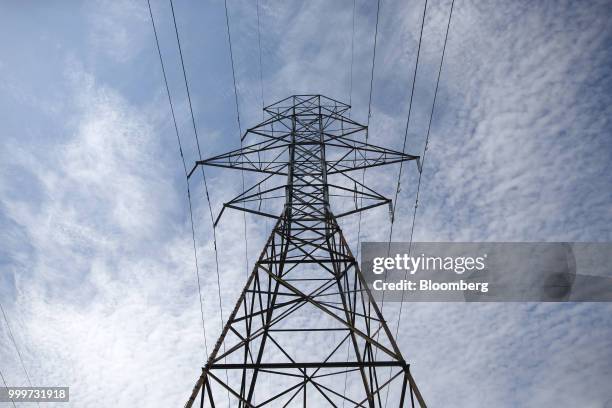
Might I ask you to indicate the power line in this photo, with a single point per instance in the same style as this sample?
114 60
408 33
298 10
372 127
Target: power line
368 122
195 131
416 67
229 38
416 200
373 64
348 345
366 137
263 103
414 75
399 175
433 105
178 138
10 332
352 57
6 386
368 119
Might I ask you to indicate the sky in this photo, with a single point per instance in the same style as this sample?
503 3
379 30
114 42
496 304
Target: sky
97 272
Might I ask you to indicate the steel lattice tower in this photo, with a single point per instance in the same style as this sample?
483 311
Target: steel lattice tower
305 329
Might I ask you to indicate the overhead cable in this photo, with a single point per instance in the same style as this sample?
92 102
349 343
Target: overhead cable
416 201
178 139
231 51
10 333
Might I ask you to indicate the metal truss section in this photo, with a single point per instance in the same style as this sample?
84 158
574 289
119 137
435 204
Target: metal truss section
307 114
305 330
317 121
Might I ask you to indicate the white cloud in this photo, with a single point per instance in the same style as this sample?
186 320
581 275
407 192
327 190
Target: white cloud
118 28
101 250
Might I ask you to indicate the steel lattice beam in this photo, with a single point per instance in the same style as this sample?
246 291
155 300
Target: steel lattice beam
306 329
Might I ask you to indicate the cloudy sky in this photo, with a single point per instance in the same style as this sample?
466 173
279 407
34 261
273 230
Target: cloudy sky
97 273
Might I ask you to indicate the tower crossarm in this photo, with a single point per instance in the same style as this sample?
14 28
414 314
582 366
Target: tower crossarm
349 155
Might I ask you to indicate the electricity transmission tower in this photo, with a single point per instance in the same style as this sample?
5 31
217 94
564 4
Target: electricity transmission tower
305 329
